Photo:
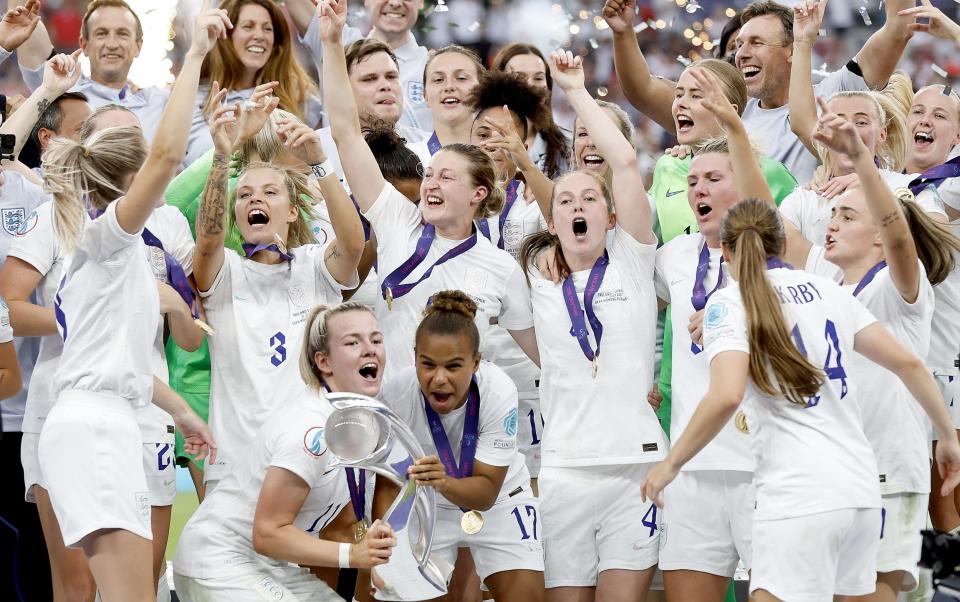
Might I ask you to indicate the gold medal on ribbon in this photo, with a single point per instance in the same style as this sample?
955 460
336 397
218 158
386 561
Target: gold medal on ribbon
741 421
359 531
203 326
596 359
389 298
471 522
280 244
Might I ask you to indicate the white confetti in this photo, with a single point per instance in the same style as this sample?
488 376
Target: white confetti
602 91
865 15
474 26
822 33
938 69
594 44
692 7
641 27
441 7
684 60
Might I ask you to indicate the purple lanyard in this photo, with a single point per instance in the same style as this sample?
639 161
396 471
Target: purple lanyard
433 144
935 175
868 277
392 285
468 444
484 227
358 491
700 296
578 327
250 249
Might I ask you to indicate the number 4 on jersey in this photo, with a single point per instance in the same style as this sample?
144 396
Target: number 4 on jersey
833 348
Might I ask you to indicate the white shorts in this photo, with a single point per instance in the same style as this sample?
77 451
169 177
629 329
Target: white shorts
32 475
509 540
89 454
594 520
948 388
287 583
828 553
529 431
707 522
903 516
158 468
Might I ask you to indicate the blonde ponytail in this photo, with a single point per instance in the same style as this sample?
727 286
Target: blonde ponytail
752 232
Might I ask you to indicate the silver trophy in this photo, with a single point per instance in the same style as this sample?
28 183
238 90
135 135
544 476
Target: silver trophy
364 433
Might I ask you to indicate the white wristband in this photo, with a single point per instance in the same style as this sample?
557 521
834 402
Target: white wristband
322 170
344 556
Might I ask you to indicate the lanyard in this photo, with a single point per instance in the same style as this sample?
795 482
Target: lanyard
579 317
392 288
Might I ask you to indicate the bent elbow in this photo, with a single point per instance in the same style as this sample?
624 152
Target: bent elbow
262 542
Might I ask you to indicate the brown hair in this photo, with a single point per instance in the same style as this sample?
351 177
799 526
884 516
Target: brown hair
455 49
85 33
731 81
752 231
365 47
315 339
936 245
768 7
451 313
222 64
89 127
482 172
297 187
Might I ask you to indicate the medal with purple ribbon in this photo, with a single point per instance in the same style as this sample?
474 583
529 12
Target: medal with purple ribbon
511 198
392 286
700 296
935 175
358 499
580 316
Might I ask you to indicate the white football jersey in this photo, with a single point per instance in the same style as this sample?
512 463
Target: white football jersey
815 457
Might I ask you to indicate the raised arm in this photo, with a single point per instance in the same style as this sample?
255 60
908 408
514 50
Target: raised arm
629 195
301 12
359 165
59 75
650 95
37 47
899 248
170 141
807 17
343 254
882 51
18 25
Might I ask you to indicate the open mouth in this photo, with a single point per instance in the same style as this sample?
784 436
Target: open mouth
592 160
829 242
369 371
703 209
442 398
257 217
750 71
434 201
256 49
684 124
923 139
579 227
450 101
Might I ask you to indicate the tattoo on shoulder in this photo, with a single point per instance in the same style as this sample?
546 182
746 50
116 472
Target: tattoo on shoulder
890 218
333 252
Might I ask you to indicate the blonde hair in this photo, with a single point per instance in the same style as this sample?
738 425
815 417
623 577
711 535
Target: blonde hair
731 81
936 245
297 186
91 175
752 231
890 107
265 145
315 339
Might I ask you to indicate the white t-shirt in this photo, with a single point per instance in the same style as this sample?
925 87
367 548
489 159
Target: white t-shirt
770 128
815 458
109 311
218 540
40 247
496 430
810 213
894 422
491 277
677 263
604 420
6 331
18 199
258 312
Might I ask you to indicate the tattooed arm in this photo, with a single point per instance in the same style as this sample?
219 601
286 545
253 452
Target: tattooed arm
212 224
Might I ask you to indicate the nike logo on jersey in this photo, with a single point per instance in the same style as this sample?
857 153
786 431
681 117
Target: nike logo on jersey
671 193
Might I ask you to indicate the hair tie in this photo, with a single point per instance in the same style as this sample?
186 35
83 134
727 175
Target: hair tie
86 151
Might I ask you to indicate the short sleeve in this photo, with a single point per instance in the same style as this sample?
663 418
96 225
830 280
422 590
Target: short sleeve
320 262
790 209
6 331
497 439
392 214
862 317
514 312
724 326
949 192
222 283
660 273
103 238
929 200
641 258
841 79
303 451
37 243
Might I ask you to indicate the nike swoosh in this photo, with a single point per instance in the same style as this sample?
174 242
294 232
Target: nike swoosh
673 192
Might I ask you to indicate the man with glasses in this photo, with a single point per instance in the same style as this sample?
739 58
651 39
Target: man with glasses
764 55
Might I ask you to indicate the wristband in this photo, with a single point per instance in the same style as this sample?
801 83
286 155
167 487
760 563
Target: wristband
344 556
322 170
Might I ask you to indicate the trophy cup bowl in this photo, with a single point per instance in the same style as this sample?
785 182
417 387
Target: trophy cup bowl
364 433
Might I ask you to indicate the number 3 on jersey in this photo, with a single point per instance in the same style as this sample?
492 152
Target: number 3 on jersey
277 342
833 348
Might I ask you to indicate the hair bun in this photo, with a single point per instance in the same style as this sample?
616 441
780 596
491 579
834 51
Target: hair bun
452 301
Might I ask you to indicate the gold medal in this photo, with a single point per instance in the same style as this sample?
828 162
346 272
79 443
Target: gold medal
741 421
471 522
596 359
280 244
203 326
359 531
389 298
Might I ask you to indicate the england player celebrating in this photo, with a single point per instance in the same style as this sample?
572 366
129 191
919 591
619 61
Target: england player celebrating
766 339
256 303
264 517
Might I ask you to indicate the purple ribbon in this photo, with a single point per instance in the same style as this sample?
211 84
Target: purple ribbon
700 296
935 175
868 277
395 279
484 227
250 249
468 444
578 326
433 144
358 491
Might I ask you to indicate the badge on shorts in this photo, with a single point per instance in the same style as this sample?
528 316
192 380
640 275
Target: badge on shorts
415 92
142 499
13 219
268 589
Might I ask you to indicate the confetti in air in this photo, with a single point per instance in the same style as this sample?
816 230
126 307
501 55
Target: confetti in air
822 32
641 27
441 7
865 15
594 44
684 60
692 7
938 70
474 26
